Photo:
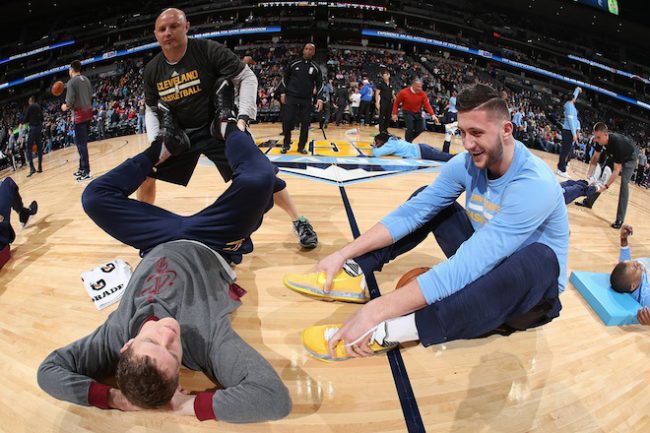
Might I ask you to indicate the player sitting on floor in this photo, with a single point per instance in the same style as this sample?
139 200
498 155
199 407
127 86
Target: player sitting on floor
507 252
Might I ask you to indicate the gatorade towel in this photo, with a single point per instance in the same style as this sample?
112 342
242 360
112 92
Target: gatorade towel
105 284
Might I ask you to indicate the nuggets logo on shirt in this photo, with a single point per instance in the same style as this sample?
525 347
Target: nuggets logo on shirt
179 86
480 210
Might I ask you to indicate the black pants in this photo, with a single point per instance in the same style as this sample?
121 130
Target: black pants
225 226
34 137
81 140
385 111
364 115
296 111
9 199
414 126
565 150
640 174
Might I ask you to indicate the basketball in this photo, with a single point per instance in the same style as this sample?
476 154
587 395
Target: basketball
410 276
57 88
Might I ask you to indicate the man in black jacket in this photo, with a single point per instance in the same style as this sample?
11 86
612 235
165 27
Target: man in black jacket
302 82
34 117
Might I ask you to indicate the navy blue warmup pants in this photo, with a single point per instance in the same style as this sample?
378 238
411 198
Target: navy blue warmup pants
9 199
428 152
225 226
81 140
521 292
573 189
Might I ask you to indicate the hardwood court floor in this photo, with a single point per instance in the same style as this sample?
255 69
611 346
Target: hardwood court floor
573 375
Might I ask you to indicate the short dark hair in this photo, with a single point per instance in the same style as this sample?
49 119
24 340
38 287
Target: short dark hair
481 97
600 127
620 280
141 382
75 65
382 137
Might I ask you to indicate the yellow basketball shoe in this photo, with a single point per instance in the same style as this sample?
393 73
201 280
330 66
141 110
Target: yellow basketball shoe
348 285
315 339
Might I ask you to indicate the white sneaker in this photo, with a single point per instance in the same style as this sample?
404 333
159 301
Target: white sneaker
563 174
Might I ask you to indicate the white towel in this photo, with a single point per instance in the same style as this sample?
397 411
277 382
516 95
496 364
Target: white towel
106 284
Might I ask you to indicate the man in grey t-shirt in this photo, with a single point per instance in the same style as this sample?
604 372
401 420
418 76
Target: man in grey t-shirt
79 99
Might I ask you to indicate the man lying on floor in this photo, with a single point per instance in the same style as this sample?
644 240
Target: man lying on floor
632 276
385 145
175 309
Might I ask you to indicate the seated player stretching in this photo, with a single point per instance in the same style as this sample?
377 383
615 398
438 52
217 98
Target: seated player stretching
175 309
507 250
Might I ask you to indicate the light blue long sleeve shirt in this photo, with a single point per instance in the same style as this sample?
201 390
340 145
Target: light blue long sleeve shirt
571 114
452 105
517 118
522 207
396 146
642 293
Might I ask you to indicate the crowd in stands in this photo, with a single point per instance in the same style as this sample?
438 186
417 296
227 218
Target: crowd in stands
119 107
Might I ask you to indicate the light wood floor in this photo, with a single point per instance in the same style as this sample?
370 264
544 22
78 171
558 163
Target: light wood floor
573 375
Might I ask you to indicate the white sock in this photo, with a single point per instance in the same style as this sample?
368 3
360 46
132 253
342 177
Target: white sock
448 136
398 330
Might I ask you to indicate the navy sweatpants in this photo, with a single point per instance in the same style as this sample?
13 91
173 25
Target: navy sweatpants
225 226
428 152
573 189
9 199
520 293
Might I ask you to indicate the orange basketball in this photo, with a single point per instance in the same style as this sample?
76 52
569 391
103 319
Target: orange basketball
410 276
57 88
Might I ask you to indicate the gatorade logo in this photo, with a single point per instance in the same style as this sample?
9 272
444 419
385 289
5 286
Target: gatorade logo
98 285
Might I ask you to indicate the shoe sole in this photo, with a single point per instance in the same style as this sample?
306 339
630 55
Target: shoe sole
309 246
329 359
333 295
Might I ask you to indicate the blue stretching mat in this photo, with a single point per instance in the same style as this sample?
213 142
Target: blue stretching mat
613 308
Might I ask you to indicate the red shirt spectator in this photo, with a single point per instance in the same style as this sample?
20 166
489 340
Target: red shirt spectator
412 99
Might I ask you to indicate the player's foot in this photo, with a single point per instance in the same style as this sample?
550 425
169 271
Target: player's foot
306 234
348 285
315 340
27 213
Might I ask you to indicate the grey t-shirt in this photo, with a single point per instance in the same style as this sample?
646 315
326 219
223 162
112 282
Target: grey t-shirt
190 282
79 98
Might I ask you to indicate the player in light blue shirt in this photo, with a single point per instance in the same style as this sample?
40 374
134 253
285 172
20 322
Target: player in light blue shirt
632 276
506 249
385 145
569 131
452 111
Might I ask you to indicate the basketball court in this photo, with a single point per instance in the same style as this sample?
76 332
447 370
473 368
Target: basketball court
572 375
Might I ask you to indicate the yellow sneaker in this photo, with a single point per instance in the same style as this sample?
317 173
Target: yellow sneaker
315 338
344 288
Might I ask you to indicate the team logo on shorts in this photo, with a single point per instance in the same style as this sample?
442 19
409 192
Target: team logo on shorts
234 245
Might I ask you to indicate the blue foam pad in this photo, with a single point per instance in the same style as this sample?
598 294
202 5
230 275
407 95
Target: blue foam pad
614 309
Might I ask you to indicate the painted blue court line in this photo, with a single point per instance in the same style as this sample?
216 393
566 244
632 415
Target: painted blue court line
410 407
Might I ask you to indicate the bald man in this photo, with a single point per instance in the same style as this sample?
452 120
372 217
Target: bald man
183 87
